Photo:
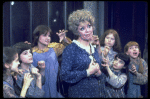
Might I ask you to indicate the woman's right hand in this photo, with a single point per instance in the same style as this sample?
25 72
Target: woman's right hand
93 68
27 80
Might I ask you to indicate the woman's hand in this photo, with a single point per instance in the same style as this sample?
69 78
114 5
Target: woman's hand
62 35
93 68
98 73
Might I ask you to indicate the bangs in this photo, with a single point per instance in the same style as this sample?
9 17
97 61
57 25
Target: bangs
21 46
123 57
132 44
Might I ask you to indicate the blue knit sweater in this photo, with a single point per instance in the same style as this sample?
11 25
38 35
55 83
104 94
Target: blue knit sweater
75 61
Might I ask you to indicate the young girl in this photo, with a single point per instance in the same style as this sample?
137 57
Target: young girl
26 59
48 52
80 66
116 78
138 70
10 64
111 39
108 47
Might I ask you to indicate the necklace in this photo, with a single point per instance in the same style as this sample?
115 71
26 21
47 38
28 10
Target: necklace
91 56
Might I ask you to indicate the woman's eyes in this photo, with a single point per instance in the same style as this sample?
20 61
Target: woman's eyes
88 26
82 28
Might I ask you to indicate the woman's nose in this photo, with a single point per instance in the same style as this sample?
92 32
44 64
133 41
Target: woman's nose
87 29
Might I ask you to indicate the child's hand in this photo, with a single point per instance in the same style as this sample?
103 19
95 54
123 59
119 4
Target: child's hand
20 71
27 80
35 71
95 40
106 50
133 69
27 42
105 62
41 64
62 34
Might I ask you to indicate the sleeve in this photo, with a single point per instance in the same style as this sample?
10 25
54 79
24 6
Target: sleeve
67 43
59 47
117 81
142 78
67 73
8 92
33 91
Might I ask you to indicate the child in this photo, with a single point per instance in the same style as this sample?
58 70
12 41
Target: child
116 78
26 59
138 70
108 46
10 64
48 52
111 39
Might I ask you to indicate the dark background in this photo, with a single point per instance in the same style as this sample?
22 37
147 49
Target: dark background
129 18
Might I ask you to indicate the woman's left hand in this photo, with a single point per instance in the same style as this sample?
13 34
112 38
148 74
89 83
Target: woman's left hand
62 34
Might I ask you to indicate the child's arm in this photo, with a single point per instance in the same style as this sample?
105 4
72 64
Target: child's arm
114 80
117 81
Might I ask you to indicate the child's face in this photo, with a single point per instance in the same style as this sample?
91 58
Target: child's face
14 65
110 40
118 64
26 57
45 39
133 51
85 30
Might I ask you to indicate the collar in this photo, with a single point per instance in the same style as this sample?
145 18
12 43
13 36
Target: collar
116 73
77 43
36 49
30 67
